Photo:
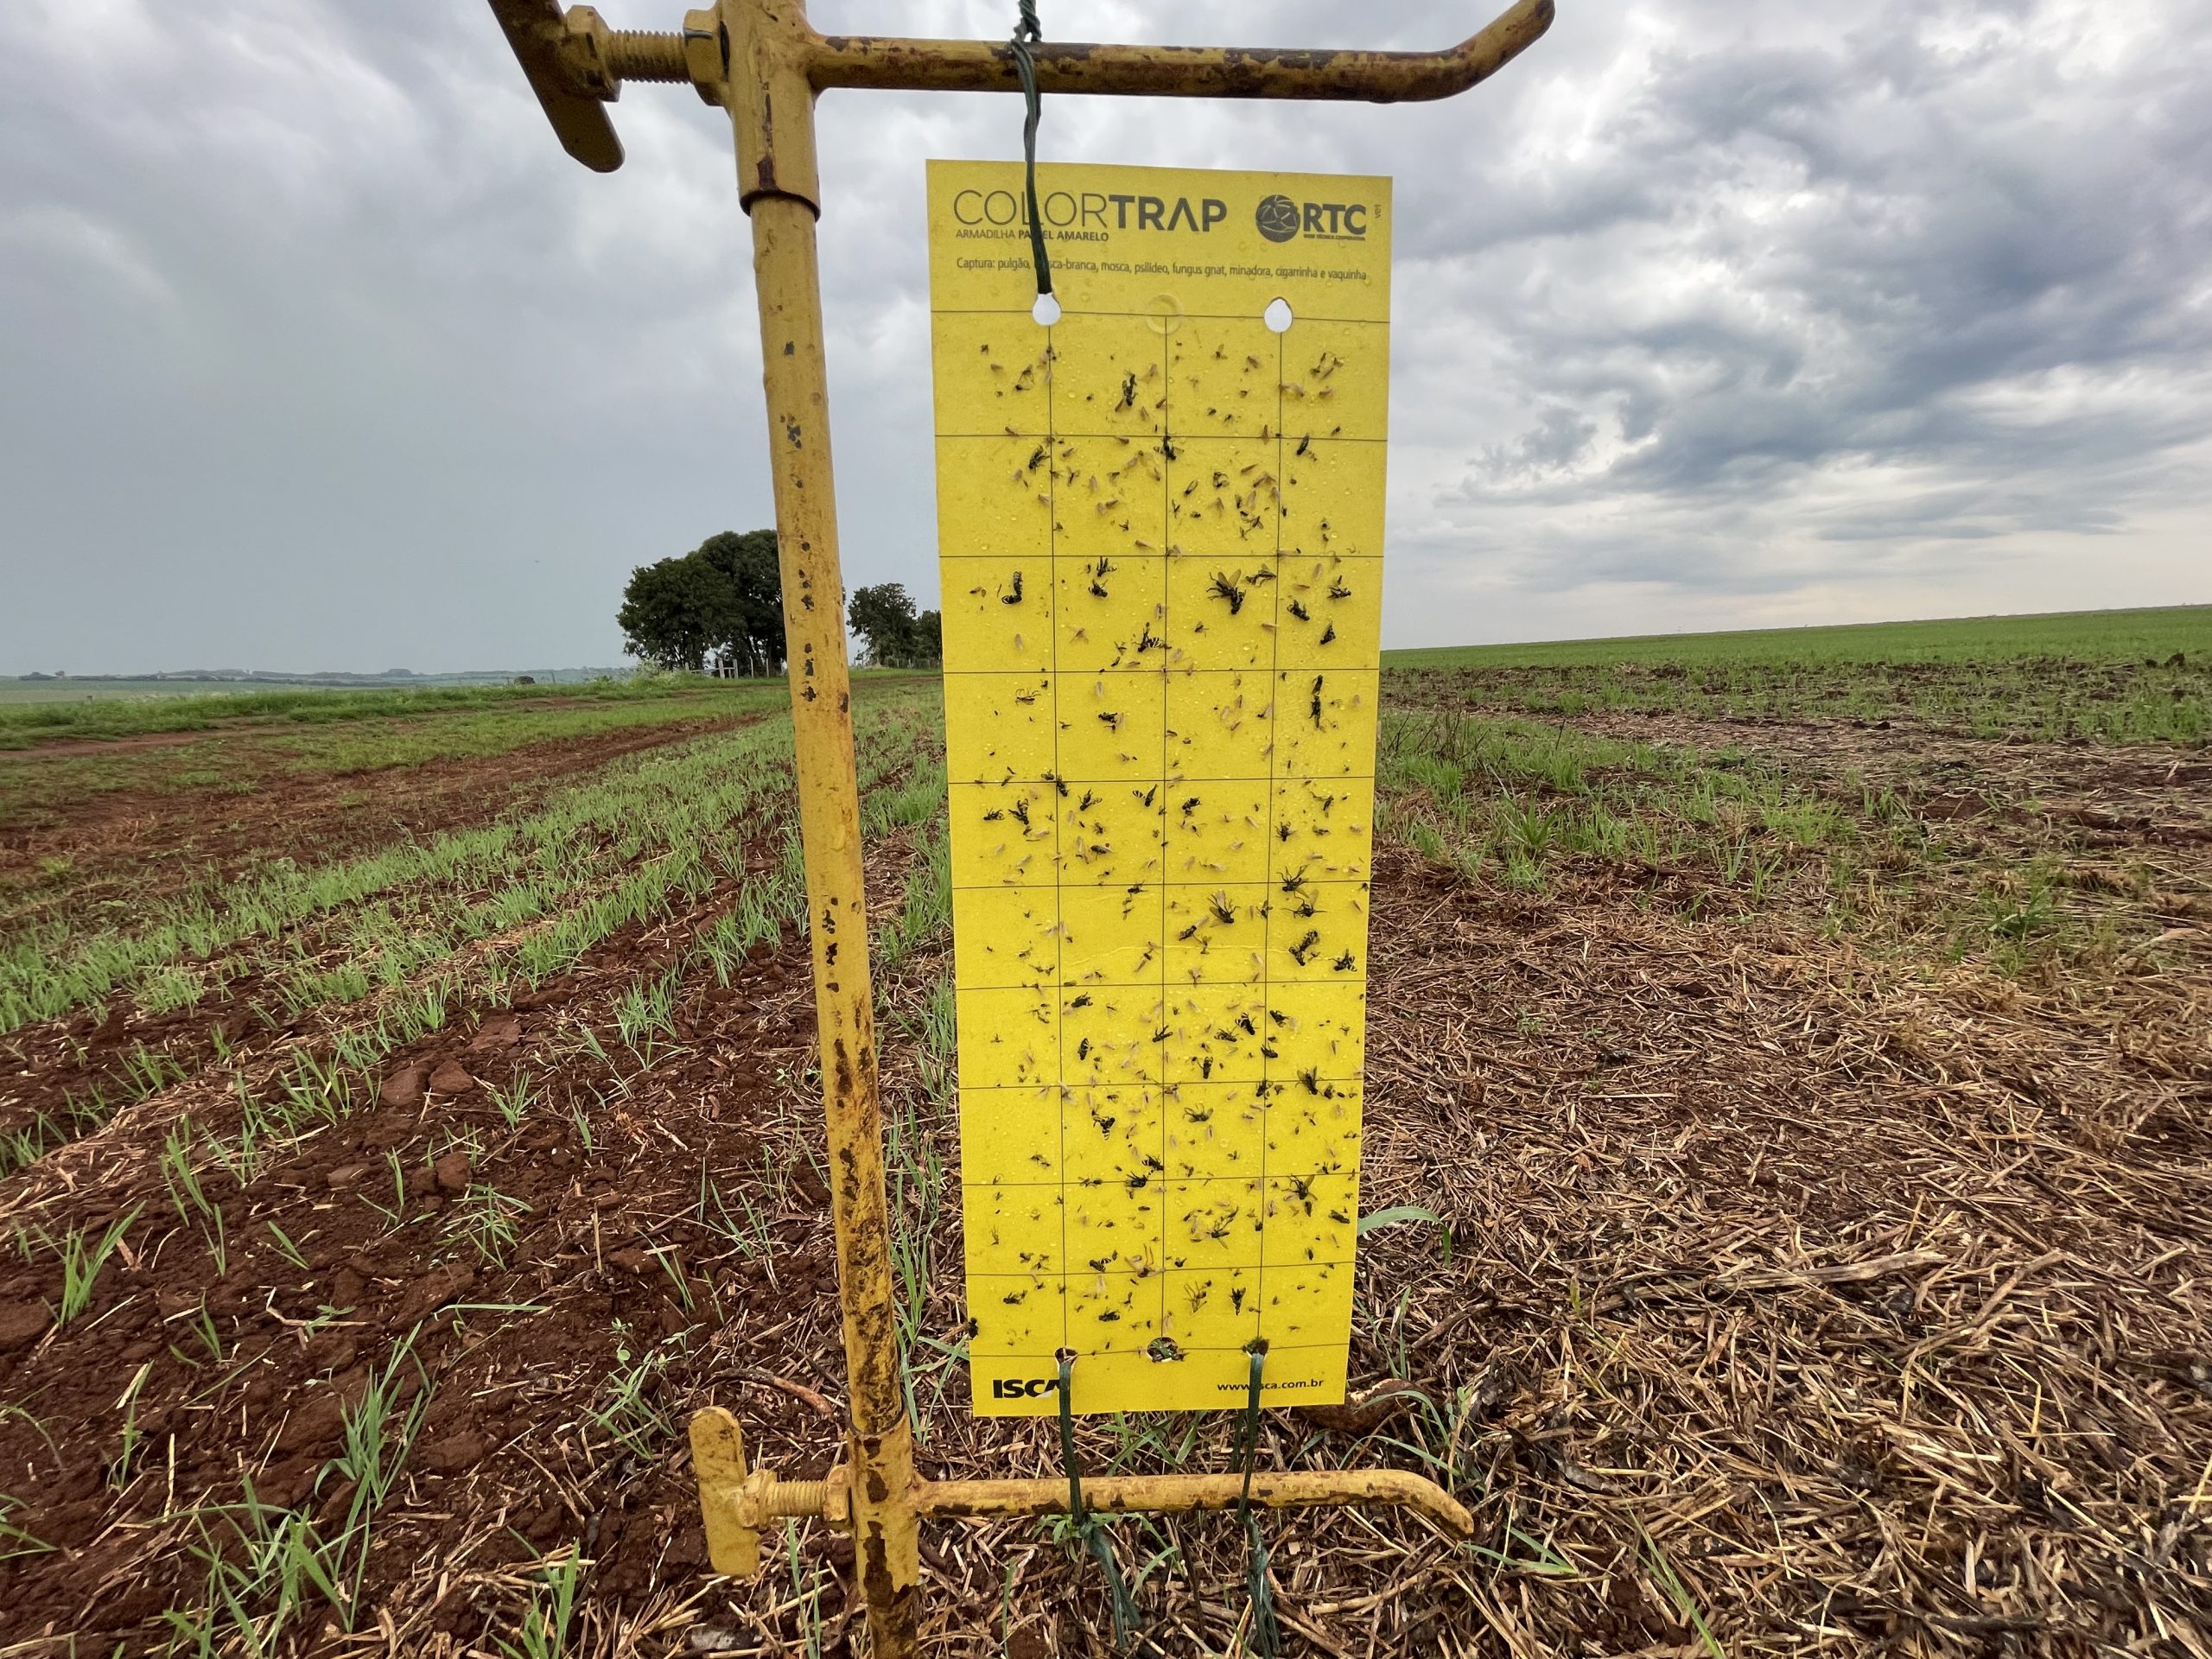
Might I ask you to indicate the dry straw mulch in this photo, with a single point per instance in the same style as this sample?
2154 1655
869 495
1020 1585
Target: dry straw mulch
1797 1302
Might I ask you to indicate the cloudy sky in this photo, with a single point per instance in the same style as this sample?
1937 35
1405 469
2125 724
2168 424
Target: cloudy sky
316 351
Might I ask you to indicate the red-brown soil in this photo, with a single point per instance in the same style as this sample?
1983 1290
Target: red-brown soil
577 1285
126 845
1861 1301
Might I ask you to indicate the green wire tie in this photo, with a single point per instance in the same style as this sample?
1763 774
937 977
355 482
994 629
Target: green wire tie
1266 1637
1087 1526
1027 33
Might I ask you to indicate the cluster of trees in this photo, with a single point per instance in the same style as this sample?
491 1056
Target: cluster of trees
719 609
896 637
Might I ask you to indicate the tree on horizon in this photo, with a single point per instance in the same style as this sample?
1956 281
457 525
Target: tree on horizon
896 637
718 608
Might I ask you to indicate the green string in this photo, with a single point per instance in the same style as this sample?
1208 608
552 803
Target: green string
1266 1637
1028 32
1087 1526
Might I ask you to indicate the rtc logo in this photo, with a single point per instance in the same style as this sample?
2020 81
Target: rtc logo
1280 218
1277 217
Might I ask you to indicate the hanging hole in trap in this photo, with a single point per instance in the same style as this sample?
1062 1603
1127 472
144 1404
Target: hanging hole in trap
1278 315
1046 311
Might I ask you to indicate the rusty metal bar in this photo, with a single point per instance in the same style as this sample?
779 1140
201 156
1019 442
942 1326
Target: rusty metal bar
772 120
1125 1494
739 1502
1181 70
546 45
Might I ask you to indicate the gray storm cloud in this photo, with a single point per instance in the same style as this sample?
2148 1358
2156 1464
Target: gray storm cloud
318 353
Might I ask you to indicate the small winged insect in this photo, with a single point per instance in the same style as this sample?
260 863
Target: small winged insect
1099 572
1298 609
1013 596
1224 588
1129 393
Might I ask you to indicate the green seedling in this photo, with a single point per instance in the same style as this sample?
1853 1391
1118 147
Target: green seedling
398 1168
544 1633
484 1218
82 1259
150 1070
1401 1215
514 1100
285 1247
672 1263
14 1541
1669 1581
379 1434
749 1232
630 1412
120 1470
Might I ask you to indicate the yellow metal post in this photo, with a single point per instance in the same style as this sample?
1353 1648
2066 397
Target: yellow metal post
762 60
772 113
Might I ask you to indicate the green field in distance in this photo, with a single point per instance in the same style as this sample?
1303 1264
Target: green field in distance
2085 636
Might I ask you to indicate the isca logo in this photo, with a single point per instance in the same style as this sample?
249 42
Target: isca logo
1021 1388
1277 217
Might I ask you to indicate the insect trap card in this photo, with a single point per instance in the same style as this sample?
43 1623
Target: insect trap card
1160 520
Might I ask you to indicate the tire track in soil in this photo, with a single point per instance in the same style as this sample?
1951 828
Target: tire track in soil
583 1259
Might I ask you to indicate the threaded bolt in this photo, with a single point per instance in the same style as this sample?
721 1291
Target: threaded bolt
808 1497
645 55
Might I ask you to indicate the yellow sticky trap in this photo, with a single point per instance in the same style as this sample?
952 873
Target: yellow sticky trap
1160 529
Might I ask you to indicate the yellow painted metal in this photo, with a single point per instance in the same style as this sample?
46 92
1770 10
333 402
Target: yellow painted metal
772 117
737 1503
1121 1494
1159 525
587 61
763 61
1184 72
556 58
